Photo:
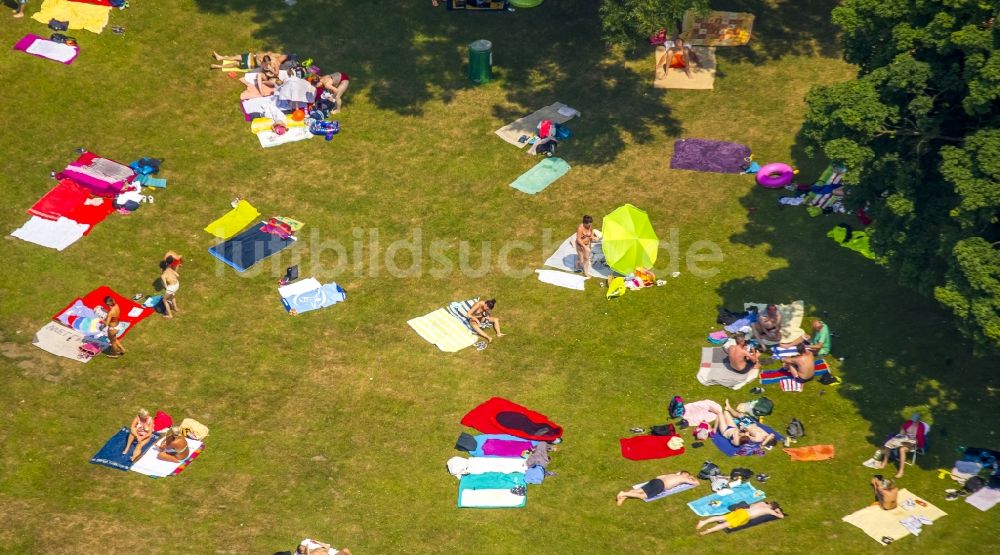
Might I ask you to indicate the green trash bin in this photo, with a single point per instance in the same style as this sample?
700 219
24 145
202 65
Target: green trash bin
481 61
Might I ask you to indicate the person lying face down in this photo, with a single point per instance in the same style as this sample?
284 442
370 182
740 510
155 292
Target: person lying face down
656 486
741 517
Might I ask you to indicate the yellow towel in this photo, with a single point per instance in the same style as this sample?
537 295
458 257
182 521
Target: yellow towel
878 523
90 17
234 220
265 124
443 330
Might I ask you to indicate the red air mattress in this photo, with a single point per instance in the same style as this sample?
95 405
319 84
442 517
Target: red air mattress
641 448
500 416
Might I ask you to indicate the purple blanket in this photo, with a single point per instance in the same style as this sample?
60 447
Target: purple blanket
709 156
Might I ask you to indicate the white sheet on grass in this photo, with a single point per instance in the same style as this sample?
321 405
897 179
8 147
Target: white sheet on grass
562 279
52 50
490 498
565 258
60 340
270 138
57 234
299 287
152 466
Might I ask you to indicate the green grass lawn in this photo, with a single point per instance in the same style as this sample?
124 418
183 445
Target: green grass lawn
336 424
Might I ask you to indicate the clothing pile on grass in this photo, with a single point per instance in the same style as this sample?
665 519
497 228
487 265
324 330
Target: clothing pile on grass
511 451
978 472
112 454
79 331
297 109
825 196
88 190
242 249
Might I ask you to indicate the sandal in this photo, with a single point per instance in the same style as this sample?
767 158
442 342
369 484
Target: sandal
637 430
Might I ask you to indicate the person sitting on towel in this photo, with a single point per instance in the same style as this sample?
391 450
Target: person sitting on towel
886 492
910 436
740 357
818 343
745 430
173 447
741 517
656 486
140 432
802 365
313 547
767 328
679 56
480 317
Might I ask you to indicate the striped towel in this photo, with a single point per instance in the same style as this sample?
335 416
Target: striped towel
460 310
781 352
775 376
790 384
444 329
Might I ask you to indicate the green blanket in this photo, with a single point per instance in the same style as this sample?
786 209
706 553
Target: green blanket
541 176
857 242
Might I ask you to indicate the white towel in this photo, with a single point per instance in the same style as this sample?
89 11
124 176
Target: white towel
150 465
562 279
459 466
299 287
52 50
270 138
57 234
490 498
295 89
984 499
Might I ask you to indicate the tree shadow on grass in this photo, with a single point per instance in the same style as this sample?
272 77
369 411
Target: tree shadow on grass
785 28
901 352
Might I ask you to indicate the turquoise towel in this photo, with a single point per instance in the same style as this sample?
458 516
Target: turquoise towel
150 181
743 492
541 176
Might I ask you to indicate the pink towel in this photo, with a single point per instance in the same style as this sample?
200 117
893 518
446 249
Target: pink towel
700 411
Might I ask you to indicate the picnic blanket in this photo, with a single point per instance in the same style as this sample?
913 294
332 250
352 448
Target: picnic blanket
565 258
541 175
791 318
713 370
746 449
80 15
717 28
92 212
111 456
233 221
270 138
702 74
810 453
444 330
665 493
562 279
984 499
709 156
309 294
491 490
60 340
48 49
528 125
131 312
250 247
54 234
879 523
102 176
62 199
641 448
151 466
776 376
717 504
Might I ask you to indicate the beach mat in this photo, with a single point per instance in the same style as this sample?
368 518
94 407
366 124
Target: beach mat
713 371
47 49
312 296
641 448
746 449
59 340
879 523
110 455
153 467
810 453
443 330
528 125
565 258
666 493
717 28
743 493
704 155
233 221
702 75
491 490
541 175
248 248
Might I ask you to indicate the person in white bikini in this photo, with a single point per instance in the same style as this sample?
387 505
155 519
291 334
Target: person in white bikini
171 283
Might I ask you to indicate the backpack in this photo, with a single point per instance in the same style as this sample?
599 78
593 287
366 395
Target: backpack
676 408
546 129
974 484
662 430
548 148
562 132
741 473
762 407
708 470
795 429
994 481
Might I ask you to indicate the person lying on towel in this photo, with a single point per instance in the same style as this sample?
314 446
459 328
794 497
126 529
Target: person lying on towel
679 56
313 547
767 328
656 486
742 430
480 317
740 357
741 517
886 492
802 365
248 60
173 447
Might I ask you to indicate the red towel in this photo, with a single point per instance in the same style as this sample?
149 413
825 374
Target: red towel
91 214
96 297
640 448
60 201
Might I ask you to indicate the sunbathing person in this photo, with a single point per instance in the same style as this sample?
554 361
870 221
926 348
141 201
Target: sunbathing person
910 436
313 547
140 432
585 236
679 56
802 365
480 317
740 357
247 60
331 89
656 486
741 517
767 328
886 492
173 447
741 431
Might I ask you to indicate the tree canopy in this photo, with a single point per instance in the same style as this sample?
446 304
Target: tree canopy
920 131
625 21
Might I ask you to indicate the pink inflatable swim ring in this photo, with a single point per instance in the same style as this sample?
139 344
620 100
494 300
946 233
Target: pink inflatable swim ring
776 175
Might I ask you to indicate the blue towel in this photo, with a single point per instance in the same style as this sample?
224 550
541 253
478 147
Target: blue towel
327 295
111 454
729 450
249 247
741 493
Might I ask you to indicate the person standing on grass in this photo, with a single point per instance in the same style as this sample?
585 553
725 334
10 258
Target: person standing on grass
585 235
19 12
171 283
111 325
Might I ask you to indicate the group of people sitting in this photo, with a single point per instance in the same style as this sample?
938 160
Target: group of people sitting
172 447
742 356
329 92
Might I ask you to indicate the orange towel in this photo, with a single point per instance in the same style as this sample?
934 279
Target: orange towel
811 453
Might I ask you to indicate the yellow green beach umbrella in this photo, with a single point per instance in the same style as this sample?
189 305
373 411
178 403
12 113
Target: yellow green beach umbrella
629 240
